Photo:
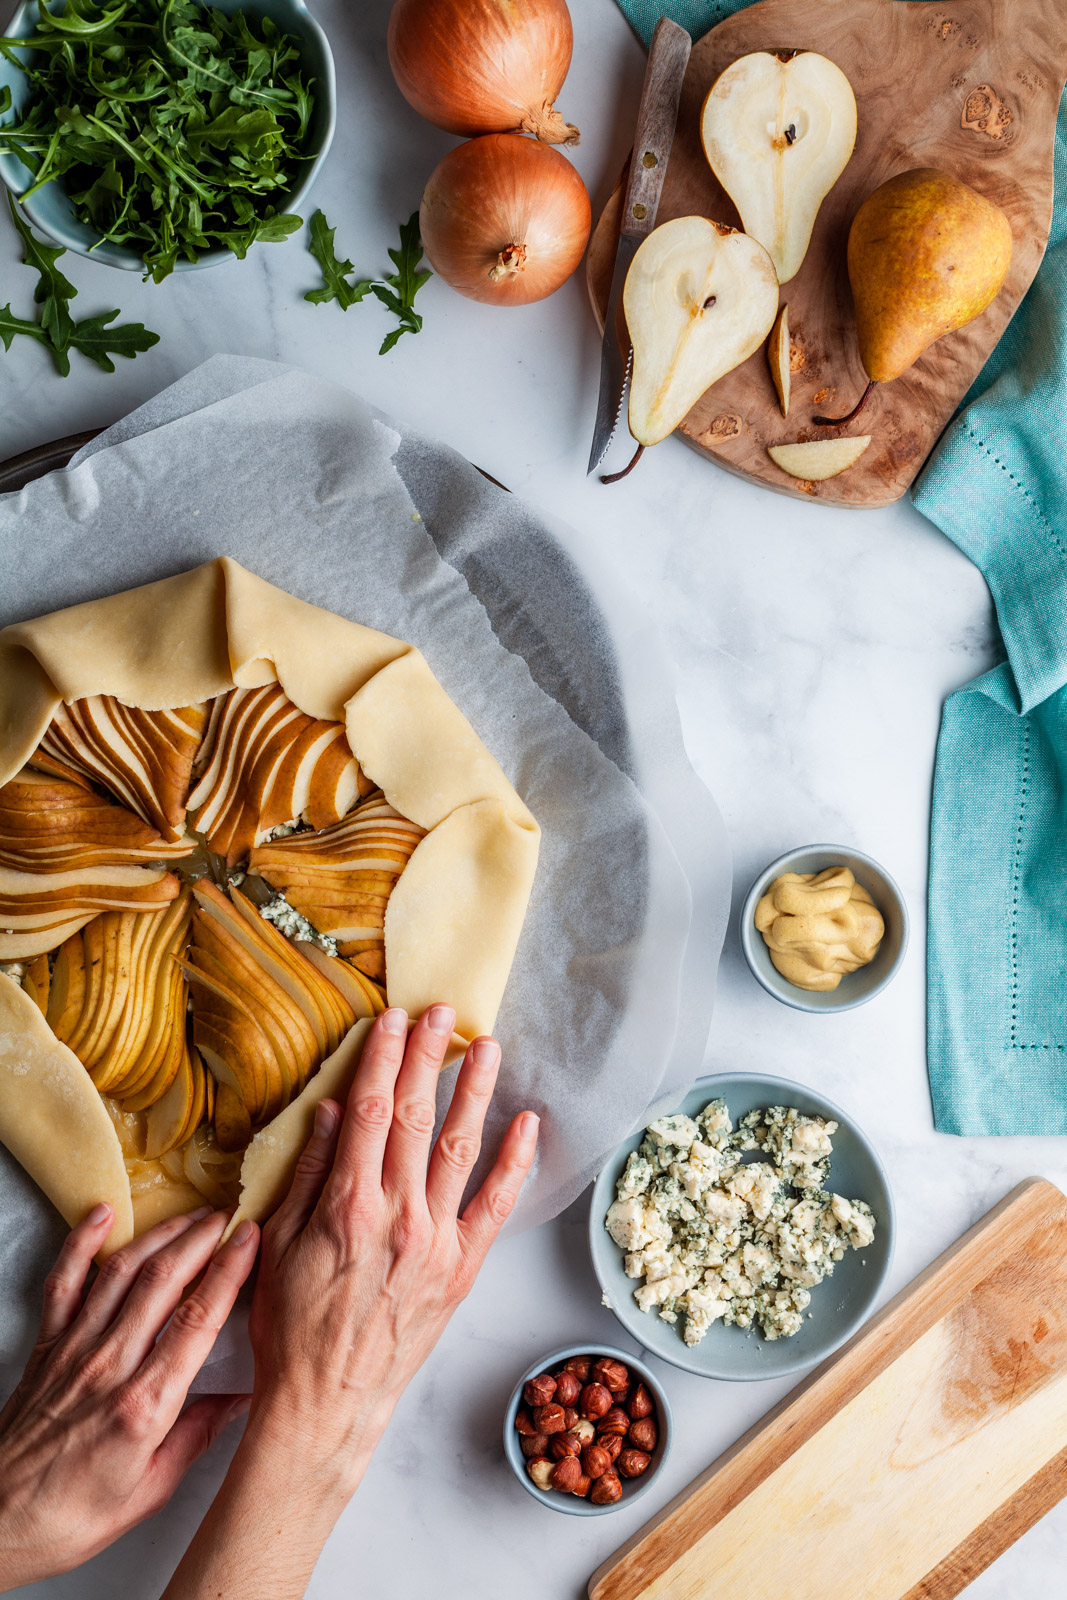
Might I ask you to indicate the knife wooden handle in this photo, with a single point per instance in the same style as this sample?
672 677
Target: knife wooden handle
656 119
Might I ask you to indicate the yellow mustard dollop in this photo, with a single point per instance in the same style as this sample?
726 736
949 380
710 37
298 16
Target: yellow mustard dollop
818 926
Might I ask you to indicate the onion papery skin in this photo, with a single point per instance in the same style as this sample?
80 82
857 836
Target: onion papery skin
505 220
484 66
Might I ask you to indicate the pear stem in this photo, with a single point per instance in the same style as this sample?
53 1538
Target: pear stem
850 416
617 477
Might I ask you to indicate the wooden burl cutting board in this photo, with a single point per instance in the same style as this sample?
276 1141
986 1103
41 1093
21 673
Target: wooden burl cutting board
971 86
908 1462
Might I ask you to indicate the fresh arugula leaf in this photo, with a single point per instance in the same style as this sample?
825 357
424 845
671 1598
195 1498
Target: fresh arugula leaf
10 325
99 342
396 291
53 290
406 280
57 329
335 282
174 127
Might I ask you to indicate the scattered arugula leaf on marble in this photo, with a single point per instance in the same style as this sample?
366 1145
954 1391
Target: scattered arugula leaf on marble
396 290
57 329
335 284
170 124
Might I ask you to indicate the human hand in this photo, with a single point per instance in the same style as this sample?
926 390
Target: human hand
94 1438
361 1267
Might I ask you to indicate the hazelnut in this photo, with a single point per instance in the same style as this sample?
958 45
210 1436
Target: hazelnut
606 1490
612 1443
595 1460
534 1444
585 1431
643 1434
583 1486
540 1470
539 1391
564 1444
632 1463
549 1419
613 1421
568 1388
571 1418
524 1422
580 1366
567 1474
595 1401
640 1403
612 1374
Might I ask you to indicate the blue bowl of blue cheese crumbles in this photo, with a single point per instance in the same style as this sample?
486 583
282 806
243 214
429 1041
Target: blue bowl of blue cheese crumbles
745 1235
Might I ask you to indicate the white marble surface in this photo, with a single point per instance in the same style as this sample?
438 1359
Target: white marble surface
814 649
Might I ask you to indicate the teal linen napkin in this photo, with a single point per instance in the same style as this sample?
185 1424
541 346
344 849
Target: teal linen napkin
997 939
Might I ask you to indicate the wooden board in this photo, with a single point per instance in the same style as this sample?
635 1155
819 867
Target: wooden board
971 86
910 1460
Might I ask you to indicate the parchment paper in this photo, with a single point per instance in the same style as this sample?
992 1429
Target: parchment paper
607 1010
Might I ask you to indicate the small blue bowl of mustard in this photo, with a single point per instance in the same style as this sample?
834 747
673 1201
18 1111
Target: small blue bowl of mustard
855 988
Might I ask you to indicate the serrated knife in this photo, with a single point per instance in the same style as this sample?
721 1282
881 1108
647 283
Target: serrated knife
657 115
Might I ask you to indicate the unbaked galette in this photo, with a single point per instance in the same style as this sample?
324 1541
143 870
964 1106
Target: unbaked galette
233 828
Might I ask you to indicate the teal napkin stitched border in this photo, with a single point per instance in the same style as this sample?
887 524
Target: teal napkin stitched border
997 933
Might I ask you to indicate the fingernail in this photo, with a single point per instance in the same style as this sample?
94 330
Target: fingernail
242 1233
239 1407
529 1123
199 1213
441 1019
99 1214
394 1020
486 1052
325 1119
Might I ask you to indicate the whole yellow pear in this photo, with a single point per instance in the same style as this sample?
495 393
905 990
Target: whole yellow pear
926 255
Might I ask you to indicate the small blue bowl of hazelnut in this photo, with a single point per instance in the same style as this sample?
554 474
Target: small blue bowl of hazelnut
587 1429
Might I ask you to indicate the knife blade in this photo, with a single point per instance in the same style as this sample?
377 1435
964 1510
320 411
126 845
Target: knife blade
657 116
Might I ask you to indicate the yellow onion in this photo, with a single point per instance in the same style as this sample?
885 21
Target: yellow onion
484 66
504 220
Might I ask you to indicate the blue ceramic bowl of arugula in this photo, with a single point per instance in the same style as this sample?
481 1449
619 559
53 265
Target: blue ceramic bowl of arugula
50 209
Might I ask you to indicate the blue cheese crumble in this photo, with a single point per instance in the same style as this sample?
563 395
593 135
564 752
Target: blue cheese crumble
715 1238
295 926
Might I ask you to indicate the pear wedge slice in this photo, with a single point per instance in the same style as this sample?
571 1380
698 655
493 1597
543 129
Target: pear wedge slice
817 459
778 358
699 299
778 130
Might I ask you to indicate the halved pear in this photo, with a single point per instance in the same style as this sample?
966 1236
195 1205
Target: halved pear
778 129
699 298
816 459
778 358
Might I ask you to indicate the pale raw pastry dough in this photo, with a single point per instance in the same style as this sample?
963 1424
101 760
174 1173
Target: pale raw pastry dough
453 921
54 1122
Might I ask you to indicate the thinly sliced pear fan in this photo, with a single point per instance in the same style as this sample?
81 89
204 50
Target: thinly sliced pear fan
361 995
174 1117
268 763
778 131
118 1001
341 879
36 981
233 1128
265 1016
699 299
38 910
143 758
49 824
